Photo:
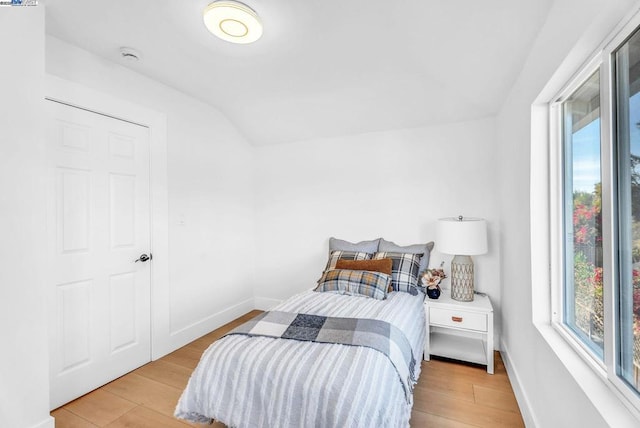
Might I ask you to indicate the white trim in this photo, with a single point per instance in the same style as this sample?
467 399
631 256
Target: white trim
49 422
77 95
191 332
265 303
526 409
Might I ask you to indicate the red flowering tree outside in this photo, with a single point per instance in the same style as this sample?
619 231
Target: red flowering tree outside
587 264
588 272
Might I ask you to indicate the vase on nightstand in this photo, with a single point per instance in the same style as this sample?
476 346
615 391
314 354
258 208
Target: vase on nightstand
431 279
433 292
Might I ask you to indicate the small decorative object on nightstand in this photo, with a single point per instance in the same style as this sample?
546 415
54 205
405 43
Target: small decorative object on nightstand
463 237
434 292
431 279
460 330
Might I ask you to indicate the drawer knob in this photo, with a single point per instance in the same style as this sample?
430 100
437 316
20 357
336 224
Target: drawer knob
456 319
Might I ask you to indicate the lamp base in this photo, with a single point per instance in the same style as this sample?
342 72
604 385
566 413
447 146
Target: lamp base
462 278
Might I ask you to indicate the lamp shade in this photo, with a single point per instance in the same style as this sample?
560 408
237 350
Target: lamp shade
462 236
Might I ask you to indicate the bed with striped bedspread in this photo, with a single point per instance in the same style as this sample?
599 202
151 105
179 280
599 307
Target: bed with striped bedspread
245 381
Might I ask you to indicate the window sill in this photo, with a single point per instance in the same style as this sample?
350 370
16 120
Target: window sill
611 405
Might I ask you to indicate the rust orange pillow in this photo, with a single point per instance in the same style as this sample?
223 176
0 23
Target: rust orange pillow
381 265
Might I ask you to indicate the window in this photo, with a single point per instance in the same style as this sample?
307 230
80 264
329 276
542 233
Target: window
627 154
597 120
583 307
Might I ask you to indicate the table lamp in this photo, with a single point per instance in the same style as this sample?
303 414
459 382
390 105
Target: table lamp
463 237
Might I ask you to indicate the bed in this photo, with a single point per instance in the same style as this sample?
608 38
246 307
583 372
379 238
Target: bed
263 380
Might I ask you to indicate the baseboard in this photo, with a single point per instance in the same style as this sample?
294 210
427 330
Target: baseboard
265 303
185 335
521 396
49 422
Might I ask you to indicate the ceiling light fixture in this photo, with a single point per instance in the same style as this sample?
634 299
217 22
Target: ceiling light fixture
233 21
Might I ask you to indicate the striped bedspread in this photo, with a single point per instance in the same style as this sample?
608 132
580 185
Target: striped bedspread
376 334
245 381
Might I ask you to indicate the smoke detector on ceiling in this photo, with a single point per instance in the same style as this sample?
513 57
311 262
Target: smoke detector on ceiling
129 54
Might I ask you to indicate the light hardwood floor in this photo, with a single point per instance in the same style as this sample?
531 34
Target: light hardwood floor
448 395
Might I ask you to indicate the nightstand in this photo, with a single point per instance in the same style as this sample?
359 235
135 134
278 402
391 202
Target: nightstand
460 330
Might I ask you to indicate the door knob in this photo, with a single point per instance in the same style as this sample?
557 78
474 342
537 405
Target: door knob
143 258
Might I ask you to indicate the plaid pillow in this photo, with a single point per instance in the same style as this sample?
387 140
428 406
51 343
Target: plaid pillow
424 249
404 272
345 255
355 282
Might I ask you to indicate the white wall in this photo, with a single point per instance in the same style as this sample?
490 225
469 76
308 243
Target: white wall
551 396
392 184
24 375
210 193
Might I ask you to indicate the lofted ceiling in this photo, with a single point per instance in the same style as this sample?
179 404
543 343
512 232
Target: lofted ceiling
322 68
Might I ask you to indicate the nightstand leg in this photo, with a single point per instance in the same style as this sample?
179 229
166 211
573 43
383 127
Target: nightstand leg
490 344
427 346
427 340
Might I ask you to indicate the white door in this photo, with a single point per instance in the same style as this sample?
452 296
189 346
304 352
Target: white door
98 225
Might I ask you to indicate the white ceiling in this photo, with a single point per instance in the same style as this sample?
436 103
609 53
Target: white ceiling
322 68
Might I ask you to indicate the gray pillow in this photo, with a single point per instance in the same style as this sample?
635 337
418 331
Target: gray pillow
360 247
390 247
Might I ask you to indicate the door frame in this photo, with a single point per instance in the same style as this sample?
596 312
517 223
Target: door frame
76 95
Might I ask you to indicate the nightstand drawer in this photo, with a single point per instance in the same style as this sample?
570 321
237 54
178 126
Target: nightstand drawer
458 319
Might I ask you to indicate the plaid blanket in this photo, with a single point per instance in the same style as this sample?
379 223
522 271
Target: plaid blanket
370 333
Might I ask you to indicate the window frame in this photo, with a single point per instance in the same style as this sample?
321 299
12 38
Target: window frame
612 217
557 207
604 61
